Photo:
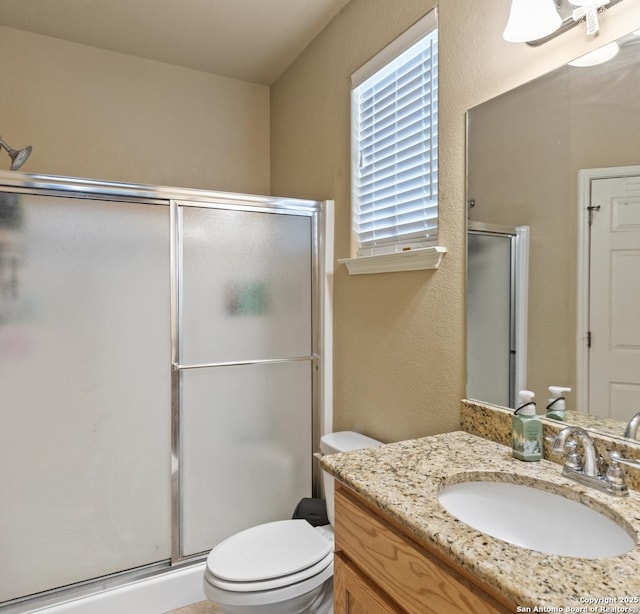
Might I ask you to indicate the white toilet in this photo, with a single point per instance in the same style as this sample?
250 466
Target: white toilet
283 567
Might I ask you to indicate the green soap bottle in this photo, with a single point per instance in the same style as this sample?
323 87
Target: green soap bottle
556 407
526 429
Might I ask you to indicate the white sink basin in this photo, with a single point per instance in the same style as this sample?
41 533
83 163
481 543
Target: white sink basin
535 519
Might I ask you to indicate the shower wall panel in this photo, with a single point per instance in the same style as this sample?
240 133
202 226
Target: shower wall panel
85 389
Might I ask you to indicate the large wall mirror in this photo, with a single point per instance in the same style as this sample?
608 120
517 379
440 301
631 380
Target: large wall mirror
554 241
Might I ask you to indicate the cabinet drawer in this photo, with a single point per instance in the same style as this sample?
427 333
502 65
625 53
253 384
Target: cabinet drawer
409 574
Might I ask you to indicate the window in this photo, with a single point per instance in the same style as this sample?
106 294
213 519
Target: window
395 145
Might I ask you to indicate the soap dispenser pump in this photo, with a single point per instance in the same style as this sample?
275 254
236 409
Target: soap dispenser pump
526 429
556 406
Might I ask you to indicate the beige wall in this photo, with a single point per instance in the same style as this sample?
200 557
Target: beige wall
94 113
399 337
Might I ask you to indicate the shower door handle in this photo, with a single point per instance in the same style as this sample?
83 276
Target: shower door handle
238 363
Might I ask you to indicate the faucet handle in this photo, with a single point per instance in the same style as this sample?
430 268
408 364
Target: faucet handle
572 459
616 458
615 473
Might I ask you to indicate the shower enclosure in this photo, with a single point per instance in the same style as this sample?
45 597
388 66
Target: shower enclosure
497 297
160 363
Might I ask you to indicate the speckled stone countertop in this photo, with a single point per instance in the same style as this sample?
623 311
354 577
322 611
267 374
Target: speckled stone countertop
494 423
403 479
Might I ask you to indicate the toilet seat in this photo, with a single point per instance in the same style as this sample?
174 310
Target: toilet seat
265 585
272 601
269 556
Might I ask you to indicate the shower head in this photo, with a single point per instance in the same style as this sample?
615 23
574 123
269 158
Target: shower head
18 156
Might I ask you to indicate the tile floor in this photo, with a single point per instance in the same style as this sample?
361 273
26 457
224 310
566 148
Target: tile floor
202 607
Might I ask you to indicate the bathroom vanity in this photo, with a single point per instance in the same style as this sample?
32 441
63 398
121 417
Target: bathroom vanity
379 566
399 550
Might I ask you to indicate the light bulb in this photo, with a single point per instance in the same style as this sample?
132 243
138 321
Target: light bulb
530 20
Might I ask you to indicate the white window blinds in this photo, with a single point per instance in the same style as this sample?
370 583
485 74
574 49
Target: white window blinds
395 148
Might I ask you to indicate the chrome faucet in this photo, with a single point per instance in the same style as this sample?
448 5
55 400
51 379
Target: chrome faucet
592 472
590 466
632 428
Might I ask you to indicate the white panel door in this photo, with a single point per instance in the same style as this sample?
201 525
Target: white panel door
614 321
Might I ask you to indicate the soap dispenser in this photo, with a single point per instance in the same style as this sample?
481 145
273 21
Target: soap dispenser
526 429
556 406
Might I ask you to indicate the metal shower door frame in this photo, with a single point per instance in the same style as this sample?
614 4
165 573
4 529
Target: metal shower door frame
320 213
310 210
519 296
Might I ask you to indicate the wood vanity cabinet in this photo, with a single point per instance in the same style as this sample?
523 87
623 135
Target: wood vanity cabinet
381 569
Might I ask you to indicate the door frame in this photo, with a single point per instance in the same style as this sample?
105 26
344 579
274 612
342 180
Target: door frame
585 177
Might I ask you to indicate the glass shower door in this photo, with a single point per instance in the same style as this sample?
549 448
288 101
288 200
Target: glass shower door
246 369
490 370
85 390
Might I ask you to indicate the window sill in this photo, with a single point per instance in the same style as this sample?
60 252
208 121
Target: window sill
411 260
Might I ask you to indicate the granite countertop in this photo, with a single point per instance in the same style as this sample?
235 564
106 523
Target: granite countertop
403 479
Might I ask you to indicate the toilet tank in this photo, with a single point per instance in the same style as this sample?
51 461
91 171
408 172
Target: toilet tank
342 441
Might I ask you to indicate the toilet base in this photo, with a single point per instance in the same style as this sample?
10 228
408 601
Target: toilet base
317 601
324 602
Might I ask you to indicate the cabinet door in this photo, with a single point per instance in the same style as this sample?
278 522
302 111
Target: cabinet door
414 578
354 593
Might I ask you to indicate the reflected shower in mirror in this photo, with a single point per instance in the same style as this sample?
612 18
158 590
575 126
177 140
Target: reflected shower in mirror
561 156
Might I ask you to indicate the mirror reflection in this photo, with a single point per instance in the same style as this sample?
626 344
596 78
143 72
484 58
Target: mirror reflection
554 242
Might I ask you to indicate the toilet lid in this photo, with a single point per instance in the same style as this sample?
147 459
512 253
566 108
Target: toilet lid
301 578
268 551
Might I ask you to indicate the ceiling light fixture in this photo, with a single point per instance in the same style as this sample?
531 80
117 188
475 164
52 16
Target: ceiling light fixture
588 10
531 19
537 21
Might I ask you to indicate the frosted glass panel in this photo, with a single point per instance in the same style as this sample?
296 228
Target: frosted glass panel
246 286
489 318
246 448
85 390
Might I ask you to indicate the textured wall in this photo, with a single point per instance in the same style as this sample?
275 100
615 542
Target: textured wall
399 340
94 113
